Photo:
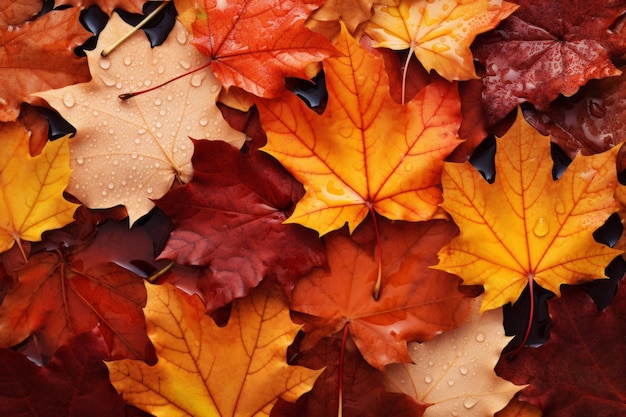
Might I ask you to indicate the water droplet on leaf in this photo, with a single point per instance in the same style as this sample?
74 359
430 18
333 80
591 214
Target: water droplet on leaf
480 337
470 402
428 379
181 37
105 63
541 228
196 80
463 370
68 99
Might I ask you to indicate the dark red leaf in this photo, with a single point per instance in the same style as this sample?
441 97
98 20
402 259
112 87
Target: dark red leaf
364 394
579 372
230 219
545 49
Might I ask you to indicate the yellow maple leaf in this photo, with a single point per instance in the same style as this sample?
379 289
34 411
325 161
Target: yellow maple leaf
454 372
365 152
526 227
205 370
31 188
438 32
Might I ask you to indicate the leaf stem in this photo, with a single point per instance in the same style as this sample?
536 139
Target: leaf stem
379 253
404 72
147 19
18 242
126 96
158 274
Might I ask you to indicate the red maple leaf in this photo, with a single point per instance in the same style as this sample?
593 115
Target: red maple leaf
590 122
54 299
579 372
545 49
230 219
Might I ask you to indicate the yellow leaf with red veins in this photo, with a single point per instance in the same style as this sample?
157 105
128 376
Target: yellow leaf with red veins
525 226
438 32
130 152
365 152
205 370
31 188
454 372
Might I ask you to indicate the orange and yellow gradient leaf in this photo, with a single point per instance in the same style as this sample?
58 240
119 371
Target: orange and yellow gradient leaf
526 227
205 370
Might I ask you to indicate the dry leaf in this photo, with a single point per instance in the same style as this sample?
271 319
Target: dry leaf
455 371
202 369
130 152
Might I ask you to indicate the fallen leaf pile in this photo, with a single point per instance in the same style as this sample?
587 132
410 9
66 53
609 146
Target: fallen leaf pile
312 208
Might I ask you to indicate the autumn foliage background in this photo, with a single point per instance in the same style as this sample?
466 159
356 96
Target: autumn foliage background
402 208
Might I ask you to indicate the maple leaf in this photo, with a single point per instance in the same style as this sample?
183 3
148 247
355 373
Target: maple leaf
454 372
39 55
31 188
346 169
232 197
589 122
363 395
227 33
54 300
73 383
130 152
415 303
238 370
547 48
578 371
438 32
526 227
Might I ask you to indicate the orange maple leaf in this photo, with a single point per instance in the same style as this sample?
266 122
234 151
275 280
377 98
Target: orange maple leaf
415 304
438 32
526 227
255 44
37 56
31 188
55 299
202 369
365 152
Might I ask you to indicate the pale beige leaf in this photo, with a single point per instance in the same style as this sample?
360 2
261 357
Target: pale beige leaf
130 152
455 371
